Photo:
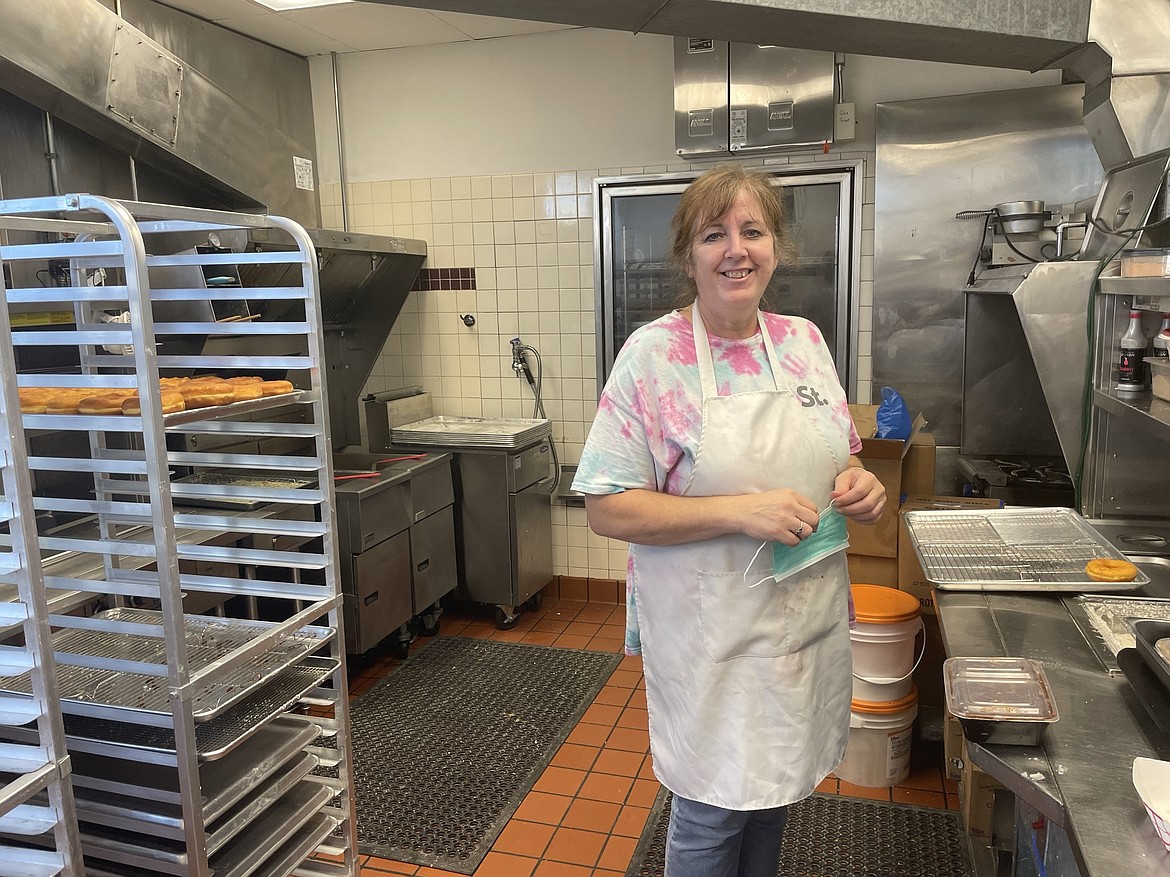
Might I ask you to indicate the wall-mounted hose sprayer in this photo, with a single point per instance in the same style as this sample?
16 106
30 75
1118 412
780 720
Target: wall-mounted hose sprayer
520 366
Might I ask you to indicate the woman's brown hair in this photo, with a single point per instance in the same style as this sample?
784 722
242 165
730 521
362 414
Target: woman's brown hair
709 197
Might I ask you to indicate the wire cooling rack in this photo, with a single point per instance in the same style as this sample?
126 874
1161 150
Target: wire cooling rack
1013 549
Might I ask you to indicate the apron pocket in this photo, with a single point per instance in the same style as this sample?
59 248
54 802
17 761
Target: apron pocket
772 619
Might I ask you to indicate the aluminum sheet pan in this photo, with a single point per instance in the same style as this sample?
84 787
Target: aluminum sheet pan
472 432
222 782
194 415
1012 549
123 696
166 820
221 499
213 739
276 825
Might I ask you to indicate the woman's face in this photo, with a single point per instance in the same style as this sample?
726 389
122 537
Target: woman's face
733 258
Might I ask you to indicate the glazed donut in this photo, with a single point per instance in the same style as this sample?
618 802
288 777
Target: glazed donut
107 403
276 388
65 400
246 379
206 394
244 392
34 399
1107 569
172 402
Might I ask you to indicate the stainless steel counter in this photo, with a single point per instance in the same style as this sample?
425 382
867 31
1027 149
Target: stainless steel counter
1080 775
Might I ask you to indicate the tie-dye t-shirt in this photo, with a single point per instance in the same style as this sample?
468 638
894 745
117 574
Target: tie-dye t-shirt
649 419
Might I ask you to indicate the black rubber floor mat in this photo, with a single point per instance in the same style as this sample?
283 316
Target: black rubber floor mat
447 746
832 836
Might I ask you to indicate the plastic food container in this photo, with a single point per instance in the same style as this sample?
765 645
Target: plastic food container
1145 263
999 700
1159 376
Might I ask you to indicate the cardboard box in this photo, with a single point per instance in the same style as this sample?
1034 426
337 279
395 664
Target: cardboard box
952 746
903 467
977 792
910 575
864 569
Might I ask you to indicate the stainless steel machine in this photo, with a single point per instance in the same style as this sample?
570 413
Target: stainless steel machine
396 541
503 527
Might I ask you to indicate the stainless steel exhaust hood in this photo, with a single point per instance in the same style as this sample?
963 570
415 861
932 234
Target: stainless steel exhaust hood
82 63
364 282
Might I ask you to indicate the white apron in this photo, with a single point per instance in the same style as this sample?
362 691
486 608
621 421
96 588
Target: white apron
748 689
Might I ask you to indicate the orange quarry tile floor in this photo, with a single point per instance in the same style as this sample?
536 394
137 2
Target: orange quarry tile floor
584 815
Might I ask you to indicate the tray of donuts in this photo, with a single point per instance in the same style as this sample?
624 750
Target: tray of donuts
178 395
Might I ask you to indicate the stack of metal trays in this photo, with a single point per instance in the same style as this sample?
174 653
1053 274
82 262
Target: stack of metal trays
472 432
136 817
127 696
1014 549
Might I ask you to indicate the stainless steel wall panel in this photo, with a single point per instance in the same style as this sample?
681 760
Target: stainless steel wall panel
700 96
935 158
780 97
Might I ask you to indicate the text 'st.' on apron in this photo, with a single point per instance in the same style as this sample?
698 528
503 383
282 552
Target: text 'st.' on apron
748 688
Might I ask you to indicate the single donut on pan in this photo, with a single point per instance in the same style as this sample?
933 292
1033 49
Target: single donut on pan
172 402
104 404
244 392
65 400
206 394
34 399
1107 569
276 388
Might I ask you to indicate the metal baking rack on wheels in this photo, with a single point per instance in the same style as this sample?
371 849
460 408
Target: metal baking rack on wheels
36 797
198 744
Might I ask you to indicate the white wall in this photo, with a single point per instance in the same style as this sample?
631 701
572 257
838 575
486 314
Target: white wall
487 150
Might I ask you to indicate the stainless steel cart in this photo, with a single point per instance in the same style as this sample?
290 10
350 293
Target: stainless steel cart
151 698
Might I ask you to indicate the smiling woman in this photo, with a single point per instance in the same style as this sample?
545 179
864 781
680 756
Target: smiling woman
702 453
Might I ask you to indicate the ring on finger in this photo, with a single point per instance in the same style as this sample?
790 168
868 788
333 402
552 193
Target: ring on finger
799 531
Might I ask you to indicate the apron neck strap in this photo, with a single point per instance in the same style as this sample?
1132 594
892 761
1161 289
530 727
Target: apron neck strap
707 365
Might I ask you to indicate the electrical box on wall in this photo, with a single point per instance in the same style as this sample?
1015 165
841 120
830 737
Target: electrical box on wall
740 98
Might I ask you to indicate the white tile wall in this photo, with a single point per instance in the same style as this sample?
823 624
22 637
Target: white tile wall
529 238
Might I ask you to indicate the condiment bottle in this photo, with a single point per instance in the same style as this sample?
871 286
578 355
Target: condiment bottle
1162 339
1131 369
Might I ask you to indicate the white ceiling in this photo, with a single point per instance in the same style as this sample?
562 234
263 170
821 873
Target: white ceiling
353 27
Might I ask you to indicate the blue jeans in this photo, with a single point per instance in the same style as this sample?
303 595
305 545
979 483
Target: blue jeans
707 841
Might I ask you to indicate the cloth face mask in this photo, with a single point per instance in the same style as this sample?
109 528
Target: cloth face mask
830 537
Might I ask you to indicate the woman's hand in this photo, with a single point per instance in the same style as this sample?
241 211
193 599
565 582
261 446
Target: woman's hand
858 494
781 515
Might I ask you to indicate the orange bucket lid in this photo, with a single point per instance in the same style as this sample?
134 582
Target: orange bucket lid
875 604
879 707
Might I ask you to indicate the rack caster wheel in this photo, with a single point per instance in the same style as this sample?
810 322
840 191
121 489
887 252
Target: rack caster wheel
533 603
428 625
506 619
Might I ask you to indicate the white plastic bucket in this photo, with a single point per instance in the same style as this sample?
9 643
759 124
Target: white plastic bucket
878 752
882 642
